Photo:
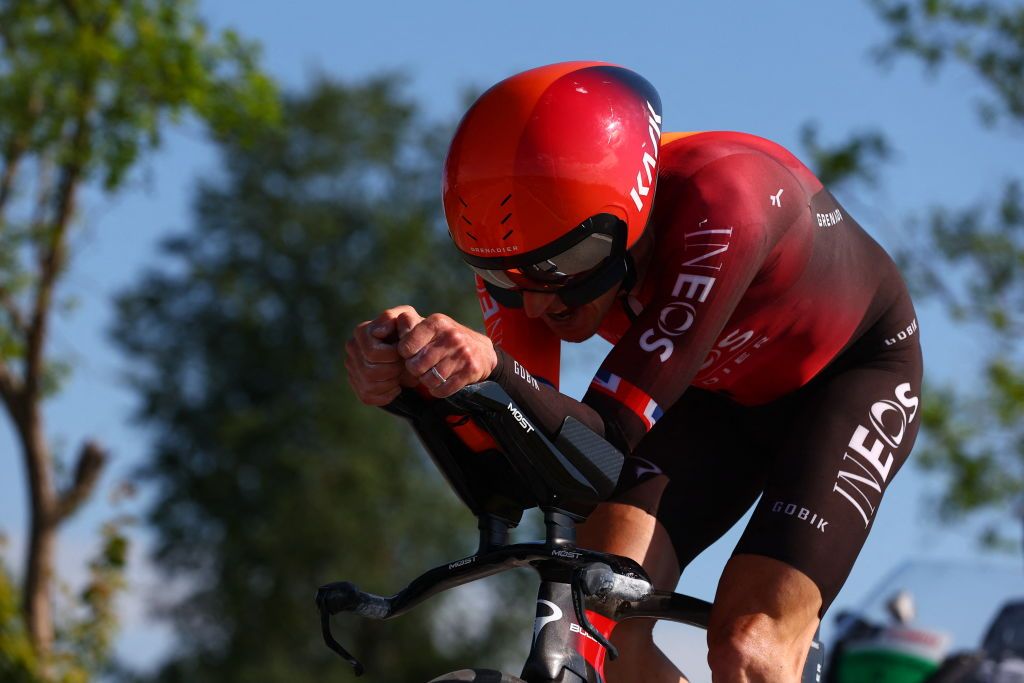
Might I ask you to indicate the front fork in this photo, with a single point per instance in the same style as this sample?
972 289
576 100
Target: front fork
562 650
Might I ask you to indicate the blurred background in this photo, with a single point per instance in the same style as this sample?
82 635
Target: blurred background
198 201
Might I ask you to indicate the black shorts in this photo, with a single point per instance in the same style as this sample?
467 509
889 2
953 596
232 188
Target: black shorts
819 458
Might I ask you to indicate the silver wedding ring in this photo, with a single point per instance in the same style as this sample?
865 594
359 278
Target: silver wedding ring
435 373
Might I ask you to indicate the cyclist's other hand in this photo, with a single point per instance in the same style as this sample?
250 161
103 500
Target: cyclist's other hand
376 371
445 355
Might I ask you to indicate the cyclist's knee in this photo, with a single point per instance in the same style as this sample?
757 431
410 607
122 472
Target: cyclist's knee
753 648
634 635
634 639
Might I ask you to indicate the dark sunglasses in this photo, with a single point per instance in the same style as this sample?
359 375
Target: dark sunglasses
579 267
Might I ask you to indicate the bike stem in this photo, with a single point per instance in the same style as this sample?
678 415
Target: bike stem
560 527
493 533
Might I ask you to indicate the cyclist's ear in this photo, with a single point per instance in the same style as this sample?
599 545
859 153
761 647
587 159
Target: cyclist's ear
506 297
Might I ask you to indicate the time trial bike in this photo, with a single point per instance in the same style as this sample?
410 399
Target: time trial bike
583 592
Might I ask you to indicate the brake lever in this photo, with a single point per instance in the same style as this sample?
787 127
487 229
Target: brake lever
325 629
578 581
331 599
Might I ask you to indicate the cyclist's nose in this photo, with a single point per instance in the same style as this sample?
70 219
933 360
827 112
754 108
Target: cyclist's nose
536 303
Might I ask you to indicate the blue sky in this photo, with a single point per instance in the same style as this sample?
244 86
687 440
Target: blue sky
764 68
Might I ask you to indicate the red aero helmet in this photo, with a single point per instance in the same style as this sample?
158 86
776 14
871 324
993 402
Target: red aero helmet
546 149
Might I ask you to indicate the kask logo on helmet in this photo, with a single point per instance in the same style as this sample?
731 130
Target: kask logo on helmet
650 162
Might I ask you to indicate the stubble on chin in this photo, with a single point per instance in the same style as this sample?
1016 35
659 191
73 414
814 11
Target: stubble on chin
572 329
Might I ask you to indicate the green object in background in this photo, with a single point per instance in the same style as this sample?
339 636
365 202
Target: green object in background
896 655
883 666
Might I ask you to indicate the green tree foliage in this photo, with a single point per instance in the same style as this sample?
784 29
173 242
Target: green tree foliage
855 160
971 260
984 36
271 478
86 86
86 627
18 662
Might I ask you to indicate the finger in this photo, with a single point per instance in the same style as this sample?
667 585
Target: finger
434 380
454 379
380 372
372 349
381 399
426 358
386 325
417 338
423 333
358 364
406 321
373 393
371 376
382 329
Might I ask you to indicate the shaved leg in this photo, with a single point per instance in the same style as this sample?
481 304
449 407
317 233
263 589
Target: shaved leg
762 622
631 532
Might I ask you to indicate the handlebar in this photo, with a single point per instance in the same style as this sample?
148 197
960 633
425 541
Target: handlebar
613 585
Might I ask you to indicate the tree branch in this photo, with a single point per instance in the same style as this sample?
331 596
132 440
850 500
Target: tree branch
17 318
91 459
16 149
51 258
13 156
10 387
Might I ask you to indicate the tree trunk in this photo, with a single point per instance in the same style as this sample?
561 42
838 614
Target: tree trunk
38 580
36 600
50 507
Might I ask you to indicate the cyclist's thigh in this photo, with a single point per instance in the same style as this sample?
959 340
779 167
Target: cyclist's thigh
837 444
697 472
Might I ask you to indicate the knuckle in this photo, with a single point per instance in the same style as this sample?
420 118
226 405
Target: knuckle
405 347
439 320
455 339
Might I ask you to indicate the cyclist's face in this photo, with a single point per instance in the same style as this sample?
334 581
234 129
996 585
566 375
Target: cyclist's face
571 323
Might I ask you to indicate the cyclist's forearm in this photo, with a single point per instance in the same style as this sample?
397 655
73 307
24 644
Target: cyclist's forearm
546 405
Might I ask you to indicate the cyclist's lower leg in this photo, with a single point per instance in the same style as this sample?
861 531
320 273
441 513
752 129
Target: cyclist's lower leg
639 658
631 532
763 620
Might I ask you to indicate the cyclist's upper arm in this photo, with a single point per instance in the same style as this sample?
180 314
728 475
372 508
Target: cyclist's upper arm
721 225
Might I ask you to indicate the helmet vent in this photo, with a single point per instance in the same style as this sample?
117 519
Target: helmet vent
472 236
503 201
464 202
505 219
467 220
507 234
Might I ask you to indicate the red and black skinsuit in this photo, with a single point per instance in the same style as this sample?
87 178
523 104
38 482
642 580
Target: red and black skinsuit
769 349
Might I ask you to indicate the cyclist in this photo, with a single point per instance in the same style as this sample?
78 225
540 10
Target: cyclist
765 347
